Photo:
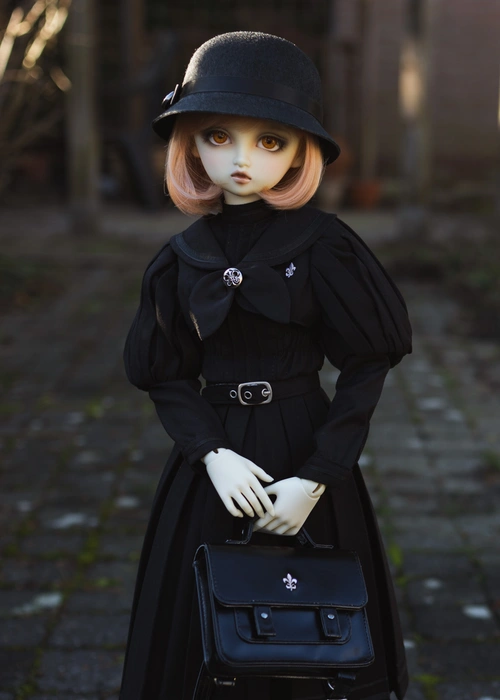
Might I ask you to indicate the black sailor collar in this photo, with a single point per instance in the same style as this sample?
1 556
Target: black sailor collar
292 232
255 285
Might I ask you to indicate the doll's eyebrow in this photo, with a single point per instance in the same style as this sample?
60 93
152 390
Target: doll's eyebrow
277 130
219 124
215 127
275 134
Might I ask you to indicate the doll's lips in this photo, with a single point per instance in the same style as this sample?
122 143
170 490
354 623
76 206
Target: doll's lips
239 176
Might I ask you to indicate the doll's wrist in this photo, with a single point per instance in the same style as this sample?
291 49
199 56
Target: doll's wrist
212 455
312 488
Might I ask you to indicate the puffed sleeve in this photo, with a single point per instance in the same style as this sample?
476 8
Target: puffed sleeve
162 356
365 331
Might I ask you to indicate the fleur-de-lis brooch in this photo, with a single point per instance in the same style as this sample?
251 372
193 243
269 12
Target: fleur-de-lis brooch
290 270
290 582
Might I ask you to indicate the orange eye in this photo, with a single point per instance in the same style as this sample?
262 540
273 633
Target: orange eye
271 143
218 137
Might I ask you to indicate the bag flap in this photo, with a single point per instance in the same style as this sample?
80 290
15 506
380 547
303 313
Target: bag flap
283 576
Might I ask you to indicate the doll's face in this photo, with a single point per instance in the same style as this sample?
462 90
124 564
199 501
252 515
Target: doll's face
246 156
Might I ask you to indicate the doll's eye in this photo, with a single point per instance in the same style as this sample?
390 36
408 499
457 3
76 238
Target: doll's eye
271 143
218 137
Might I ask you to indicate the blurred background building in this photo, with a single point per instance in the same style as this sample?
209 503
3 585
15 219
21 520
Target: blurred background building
141 48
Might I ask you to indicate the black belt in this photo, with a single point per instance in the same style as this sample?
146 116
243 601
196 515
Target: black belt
257 393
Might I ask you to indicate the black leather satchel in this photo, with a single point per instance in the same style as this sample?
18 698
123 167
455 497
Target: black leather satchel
281 612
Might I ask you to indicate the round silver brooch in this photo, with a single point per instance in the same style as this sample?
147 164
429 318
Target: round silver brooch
232 277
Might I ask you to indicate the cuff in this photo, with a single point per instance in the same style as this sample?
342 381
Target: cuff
324 471
193 453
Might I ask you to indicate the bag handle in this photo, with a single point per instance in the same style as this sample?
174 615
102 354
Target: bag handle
303 537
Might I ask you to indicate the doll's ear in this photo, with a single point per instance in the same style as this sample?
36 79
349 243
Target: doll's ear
298 161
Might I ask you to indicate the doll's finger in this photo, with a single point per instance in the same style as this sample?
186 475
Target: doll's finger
266 519
261 494
258 471
262 522
254 502
265 529
283 529
243 504
262 475
291 531
227 501
273 524
264 499
272 488
261 508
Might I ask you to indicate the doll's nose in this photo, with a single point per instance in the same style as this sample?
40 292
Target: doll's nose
242 157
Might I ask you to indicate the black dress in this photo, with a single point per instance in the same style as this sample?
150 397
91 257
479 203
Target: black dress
310 288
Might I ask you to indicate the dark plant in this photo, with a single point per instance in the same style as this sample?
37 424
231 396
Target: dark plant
31 79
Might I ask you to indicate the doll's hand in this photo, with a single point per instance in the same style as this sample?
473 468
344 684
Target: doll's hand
236 478
295 500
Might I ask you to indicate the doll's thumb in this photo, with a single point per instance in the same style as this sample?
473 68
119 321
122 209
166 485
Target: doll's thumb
271 489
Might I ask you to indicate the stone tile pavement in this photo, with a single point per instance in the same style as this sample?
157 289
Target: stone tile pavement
82 451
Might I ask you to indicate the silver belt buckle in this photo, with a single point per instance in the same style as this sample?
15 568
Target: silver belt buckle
267 393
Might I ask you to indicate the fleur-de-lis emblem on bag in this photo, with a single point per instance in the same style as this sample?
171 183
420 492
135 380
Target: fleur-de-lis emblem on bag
290 583
290 270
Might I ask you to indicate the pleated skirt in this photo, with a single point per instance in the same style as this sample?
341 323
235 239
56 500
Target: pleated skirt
164 653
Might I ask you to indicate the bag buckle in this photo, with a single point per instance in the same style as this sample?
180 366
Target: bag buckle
339 688
250 393
225 682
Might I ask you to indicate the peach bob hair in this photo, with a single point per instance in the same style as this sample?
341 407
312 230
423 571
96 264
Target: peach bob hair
194 193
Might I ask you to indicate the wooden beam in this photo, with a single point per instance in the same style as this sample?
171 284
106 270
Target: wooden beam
81 120
414 90
497 178
369 48
131 40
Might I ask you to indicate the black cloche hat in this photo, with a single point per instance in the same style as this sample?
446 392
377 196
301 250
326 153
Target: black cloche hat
251 74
